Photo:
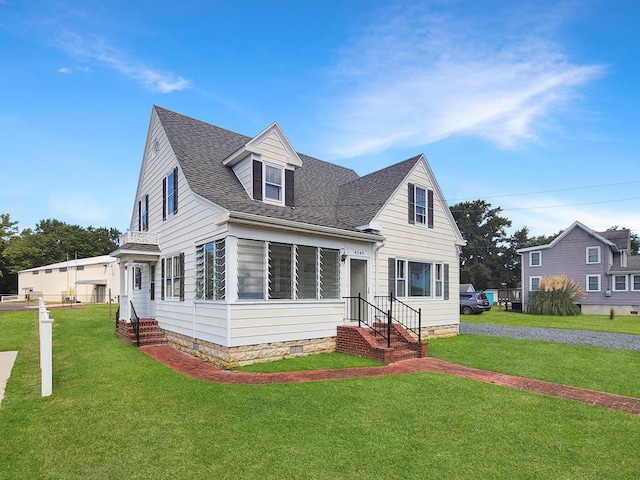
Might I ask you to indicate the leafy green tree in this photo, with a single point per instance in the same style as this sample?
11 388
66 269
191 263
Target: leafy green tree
8 229
484 261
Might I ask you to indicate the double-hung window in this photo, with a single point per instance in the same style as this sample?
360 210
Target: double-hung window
535 259
635 283
438 279
534 284
620 283
173 277
170 194
593 283
593 254
421 206
143 214
273 183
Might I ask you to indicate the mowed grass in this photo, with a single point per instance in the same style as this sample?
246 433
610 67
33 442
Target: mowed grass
602 323
116 413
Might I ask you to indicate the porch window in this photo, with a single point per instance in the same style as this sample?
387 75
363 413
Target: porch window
593 283
210 271
280 271
329 273
306 272
620 283
251 269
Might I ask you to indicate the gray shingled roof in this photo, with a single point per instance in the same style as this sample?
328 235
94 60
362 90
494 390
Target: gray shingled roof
633 265
620 238
325 194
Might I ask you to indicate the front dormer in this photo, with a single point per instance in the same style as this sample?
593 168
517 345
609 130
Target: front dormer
265 166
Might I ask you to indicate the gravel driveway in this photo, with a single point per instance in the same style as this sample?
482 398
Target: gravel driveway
620 341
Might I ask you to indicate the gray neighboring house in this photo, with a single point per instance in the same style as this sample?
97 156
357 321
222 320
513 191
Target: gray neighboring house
600 262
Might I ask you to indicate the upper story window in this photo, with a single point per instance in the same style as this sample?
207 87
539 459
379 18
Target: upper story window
273 183
170 194
593 254
143 214
535 259
420 205
620 283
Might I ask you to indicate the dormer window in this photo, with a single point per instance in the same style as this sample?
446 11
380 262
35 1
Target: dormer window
273 183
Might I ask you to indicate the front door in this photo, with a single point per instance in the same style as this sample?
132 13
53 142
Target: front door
358 285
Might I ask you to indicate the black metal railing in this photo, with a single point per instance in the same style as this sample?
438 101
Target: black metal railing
135 323
365 313
400 312
117 317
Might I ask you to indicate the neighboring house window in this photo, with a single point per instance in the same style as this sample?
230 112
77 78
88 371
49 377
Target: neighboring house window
291 271
48 270
420 205
593 254
62 269
210 271
438 279
170 194
80 267
173 277
137 278
620 283
143 214
593 283
535 259
273 183
635 282
35 272
534 284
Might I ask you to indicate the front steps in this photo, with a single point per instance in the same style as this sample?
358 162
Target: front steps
362 342
150 332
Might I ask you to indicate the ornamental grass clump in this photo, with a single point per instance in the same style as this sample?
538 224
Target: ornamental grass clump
557 295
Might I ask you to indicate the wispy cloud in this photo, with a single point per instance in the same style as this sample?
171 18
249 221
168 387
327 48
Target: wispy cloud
98 50
424 76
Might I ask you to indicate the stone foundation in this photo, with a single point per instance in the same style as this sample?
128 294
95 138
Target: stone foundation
439 331
606 309
230 357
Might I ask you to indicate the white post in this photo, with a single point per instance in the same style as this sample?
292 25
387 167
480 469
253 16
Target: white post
46 350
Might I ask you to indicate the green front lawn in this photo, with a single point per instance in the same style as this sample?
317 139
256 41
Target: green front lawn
620 324
118 414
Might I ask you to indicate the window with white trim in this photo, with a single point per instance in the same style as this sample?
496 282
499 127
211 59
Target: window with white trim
137 278
620 283
210 271
534 284
170 194
635 283
593 283
593 255
535 259
421 205
438 279
273 181
401 281
173 277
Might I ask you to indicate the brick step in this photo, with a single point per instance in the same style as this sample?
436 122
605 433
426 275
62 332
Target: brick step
150 332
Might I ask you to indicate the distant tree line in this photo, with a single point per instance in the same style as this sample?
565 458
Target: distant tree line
51 241
490 258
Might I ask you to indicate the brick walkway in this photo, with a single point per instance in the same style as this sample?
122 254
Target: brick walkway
201 370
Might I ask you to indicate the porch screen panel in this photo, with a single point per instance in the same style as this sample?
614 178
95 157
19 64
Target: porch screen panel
251 269
307 272
329 273
280 271
219 276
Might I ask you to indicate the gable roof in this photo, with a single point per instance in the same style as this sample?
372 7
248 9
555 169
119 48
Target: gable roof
620 238
325 194
597 235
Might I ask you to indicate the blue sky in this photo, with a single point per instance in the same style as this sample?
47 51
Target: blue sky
530 105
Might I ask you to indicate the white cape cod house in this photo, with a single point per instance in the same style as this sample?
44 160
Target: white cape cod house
244 250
